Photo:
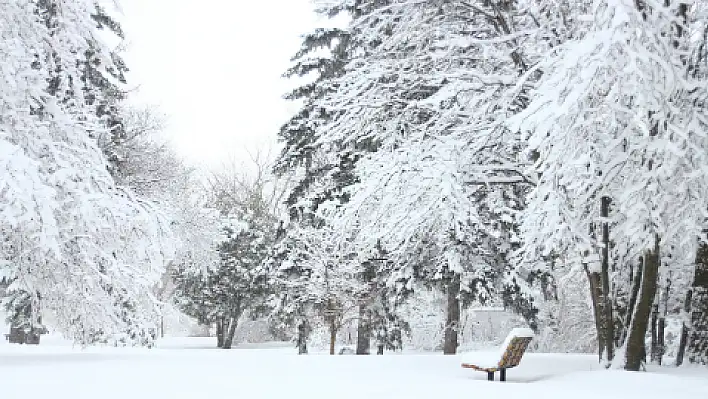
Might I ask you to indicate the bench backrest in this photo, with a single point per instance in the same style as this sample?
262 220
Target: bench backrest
514 352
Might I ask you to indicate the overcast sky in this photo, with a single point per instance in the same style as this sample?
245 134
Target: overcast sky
214 66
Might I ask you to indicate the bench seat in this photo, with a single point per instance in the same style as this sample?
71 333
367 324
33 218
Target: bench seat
509 355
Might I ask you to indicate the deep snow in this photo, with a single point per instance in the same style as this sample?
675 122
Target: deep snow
190 368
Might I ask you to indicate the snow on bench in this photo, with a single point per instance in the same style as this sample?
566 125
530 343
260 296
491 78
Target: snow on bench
509 355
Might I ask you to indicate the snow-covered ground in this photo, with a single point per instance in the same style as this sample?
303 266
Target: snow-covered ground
190 368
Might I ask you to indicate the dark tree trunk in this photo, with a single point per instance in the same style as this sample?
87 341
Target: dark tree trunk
332 334
660 340
682 345
363 334
220 332
697 345
596 296
654 354
636 285
658 324
636 350
600 290
302 338
230 331
684 328
609 319
603 317
453 316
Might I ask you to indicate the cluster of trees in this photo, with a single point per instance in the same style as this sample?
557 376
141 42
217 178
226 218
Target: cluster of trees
496 150
617 121
95 207
235 282
514 153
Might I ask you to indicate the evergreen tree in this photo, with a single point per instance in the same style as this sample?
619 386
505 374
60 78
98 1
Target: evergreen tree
406 144
429 90
236 286
697 314
317 175
103 80
604 102
238 283
67 232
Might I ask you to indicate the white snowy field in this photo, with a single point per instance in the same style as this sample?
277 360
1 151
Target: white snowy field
190 368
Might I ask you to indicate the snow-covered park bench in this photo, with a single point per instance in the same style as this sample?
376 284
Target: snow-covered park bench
512 350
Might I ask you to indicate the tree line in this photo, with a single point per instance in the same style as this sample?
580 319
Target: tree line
511 153
494 148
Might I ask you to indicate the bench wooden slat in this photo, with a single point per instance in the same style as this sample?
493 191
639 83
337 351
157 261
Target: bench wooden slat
511 357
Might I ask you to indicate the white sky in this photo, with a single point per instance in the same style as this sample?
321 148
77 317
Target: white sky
214 67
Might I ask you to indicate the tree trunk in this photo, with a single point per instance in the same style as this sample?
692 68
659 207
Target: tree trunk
230 332
453 316
682 345
654 334
660 343
636 285
219 332
596 296
658 323
685 322
332 334
661 330
600 290
605 341
302 338
636 350
697 347
609 319
363 334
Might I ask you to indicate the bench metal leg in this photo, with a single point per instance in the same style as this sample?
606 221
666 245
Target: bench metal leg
490 375
502 375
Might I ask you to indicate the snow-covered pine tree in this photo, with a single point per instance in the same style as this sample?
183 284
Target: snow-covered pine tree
316 175
379 316
695 329
618 125
143 160
429 88
70 238
324 53
104 83
288 264
241 283
138 157
317 279
238 283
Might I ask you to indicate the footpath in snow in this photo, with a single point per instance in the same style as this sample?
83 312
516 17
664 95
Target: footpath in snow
189 368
